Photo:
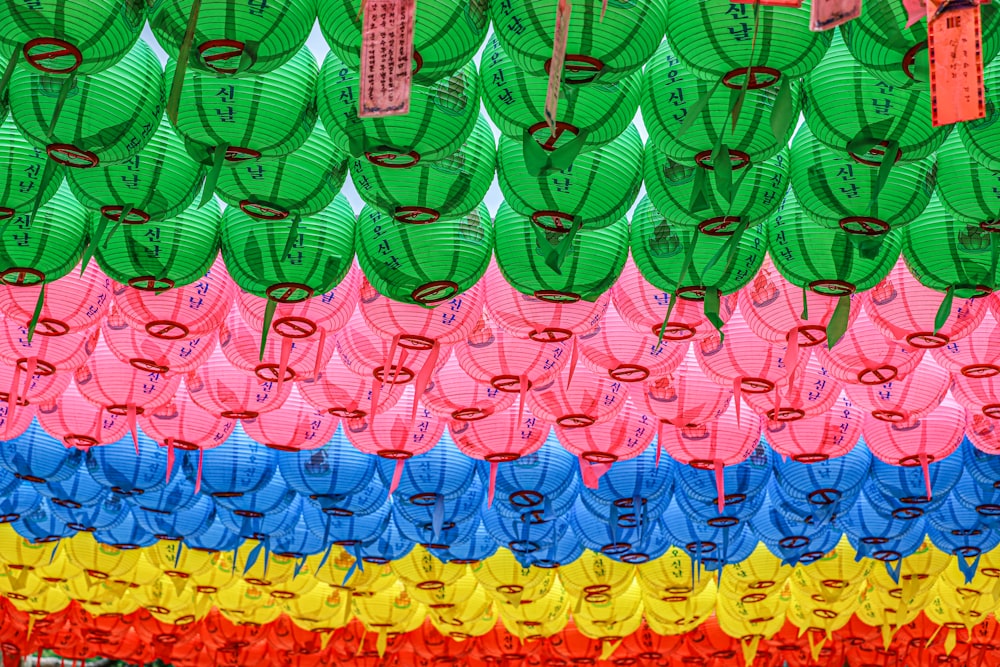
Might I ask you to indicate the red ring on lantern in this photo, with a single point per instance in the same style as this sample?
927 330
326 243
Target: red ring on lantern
576 421
768 77
391 160
510 384
910 57
148 366
616 548
501 457
416 343
42 368
345 413
692 293
914 460
907 513
396 375
551 335
738 159
880 375
629 373
48 326
416 215
674 331
394 454
63 48
294 327
262 211
832 287
723 521
69 504
750 598
134 216
21 276
554 135
79 441
469 414
810 334
576 63
167 330
248 514
992 410
756 385
269 373
509 589
864 225
6 213
234 49
557 217
891 416
599 457
785 415
525 498
720 226
121 410
69 155
289 292
825 496
435 291
151 283
877 150
990 225
927 340
555 296
240 154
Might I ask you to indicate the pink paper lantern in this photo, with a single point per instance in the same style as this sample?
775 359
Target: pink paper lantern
189 311
864 356
904 399
365 353
318 315
979 395
345 394
905 311
687 397
598 446
13 425
544 320
227 392
976 355
773 309
296 426
39 389
78 422
983 432
453 394
627 355
183 424
644 308
284 360
578 399
155 355
45 355
918 442
810 393
71 304
831 434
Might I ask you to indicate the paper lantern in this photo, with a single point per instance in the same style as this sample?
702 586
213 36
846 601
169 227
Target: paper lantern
70 304
903 399
17 422
46 245
978 395
241 466
687 397
228 392
864 356
41 387
78 422
976 136
632 483
453 394
596 191
22 179
838 110
527 484
445 36
597 51
345 394
836 191
117 467
645 308
623 437
181 423
333 472
812 391
578 398
296 426
289 261
146 353
395 434
791 541
44 355
826 487
157 183
559 266
279 359
105 515
233 131
499 438
120 106
231 43
830 434
717 42
411 274
302 183
627 355
442 115
37 457
450 187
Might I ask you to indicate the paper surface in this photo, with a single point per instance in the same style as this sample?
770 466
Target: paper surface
954 46
827 14
772 3
386 58
556 63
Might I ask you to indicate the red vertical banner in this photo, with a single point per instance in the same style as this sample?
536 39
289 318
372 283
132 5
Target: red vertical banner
955 50
828 14
556 63
386 58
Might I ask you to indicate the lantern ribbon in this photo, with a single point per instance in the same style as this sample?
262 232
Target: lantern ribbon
130 415
183 55
720 486
944 310
539 161
88 252
201 460
212 179
397 474
39 303
749 645
8 72
783 111
437 517
966 568
170 457
837 326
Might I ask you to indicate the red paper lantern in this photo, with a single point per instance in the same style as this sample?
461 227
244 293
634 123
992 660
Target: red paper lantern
182 423
828 435
296 426
78 422
156 355
904 399
687 397
627 355
976 355
71 304
811 392
453 394
578 398
228 392
345 394
863 356
284 359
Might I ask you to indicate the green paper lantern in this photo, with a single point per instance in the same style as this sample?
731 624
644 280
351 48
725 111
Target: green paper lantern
22 171
234 38
854 113
446 34
301 183
441 117
106 117
269 115
588 116
44 246
679 260
429 191
595 192
290 260
424 264
945 253
968 190
981 137
824 259
895 54
160 254
671 94
755 192
593 261
718 39
597 51
156 184
836 191
59 37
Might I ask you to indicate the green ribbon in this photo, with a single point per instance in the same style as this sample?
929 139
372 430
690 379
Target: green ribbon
8 72
884 169
805 303
944 310
837 326
539 161
713 306
722 169
697 109
782 113
88 252
218 158
174 99
293 233
37 314
269 309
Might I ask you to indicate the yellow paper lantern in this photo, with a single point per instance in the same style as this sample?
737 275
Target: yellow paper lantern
244 602
503 578
217 576
321 609
19 553
676 618
98 560
672 575
596 578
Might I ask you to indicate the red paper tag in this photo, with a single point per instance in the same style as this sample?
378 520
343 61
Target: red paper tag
954 47
386 58
827 14
771 3
557 62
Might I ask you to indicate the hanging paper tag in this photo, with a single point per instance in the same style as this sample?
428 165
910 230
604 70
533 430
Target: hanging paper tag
827 14
556 63
954 48
386 58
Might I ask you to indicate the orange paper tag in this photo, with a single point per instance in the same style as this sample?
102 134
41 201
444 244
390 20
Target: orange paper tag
557 62
827 14
954 47
386 58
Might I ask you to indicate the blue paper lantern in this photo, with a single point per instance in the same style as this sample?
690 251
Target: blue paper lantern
529 483
792 541
654 543
181 523
824 483
298 542
868 529
731 515
705 544
127 534
520 535
108 513
740 481
214 537
448 538
457 510
328 475
478 546
35 456
441 474
80 490
982 499
983 467
906 486
18 501
272 498
348 530
390 545
637 479
265 527
566 549
41 525
120 468
178 493
240 465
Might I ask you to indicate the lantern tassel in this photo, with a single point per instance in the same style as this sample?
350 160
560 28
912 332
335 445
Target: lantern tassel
837 326
397 474
805 304
130 415
12 397
424 378
201 460
522 393
269 311
749 647
738 398
574 356
293 233
720 485
943 312
286 353
318 367
218 158
32 365
793 358
925 467
170 457
659 442
88 252
36 315
492 486
173 101
437 517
